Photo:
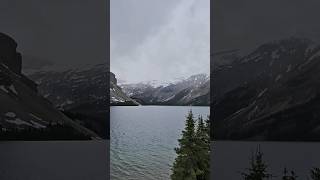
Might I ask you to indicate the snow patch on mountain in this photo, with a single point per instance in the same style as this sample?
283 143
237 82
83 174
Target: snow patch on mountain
182 91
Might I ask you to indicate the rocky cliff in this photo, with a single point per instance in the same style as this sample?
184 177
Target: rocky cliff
117 96
25 114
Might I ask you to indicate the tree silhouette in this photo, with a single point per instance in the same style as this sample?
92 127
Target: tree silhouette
287 176
258 168
315 174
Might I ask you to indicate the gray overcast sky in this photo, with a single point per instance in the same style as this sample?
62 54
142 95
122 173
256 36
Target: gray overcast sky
248 23
159 39
68 32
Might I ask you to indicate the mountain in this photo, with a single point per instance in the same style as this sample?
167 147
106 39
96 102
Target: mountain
24 113
73 88
81 93
225 58
117 96
194 90
271 93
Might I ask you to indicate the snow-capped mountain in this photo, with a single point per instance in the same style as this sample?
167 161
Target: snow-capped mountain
271 93
194 90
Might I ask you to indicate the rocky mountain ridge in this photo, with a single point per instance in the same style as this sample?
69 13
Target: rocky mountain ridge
271 93
194 90
24 113
72 88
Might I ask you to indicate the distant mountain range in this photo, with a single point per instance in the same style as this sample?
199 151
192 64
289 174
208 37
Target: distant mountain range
24 113
77 89
85 90
194 90
272 93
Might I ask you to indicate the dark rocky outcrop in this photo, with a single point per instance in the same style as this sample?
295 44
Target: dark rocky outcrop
12 59
117 96
8 54
113 78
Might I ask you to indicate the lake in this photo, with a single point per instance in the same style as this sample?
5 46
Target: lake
230 158
52 160
143 139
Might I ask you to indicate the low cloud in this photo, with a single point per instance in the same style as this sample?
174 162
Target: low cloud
178 48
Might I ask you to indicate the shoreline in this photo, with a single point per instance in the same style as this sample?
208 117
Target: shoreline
115 105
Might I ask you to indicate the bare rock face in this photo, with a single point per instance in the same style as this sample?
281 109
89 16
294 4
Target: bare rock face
113 78
24 113
12 59
8 54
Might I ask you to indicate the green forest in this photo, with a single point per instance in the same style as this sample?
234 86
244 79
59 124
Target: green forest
193 154
193 157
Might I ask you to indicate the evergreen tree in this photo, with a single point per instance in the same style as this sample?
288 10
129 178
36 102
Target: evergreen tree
208 127
287 176
258 169
203 150
185 165
209 131
315 174
193 154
